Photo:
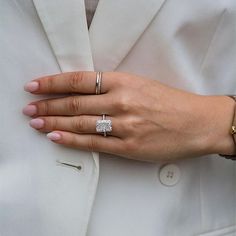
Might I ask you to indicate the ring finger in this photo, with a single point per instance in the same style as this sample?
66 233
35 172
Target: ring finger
76 124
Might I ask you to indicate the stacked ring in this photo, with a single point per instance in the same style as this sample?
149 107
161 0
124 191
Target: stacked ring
103 125
98 86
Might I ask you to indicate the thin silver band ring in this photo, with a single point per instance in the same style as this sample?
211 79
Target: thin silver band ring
98 86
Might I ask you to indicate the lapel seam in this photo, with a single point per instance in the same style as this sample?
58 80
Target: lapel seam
113 34
46 36
140 36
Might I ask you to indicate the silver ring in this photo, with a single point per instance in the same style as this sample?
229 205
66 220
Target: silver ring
98 86
103 126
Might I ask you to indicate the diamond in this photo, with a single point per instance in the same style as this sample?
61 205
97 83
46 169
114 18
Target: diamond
103 126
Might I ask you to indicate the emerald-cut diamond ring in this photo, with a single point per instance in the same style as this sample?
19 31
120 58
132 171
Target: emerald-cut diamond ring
103 126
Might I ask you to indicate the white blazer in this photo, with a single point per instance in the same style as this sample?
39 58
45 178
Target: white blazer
187 44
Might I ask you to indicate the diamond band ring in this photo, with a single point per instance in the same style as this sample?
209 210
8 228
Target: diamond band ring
98 86
103 126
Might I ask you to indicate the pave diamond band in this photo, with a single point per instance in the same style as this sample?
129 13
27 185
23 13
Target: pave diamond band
103 126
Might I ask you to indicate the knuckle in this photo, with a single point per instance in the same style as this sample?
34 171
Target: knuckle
44 108
123 81
122 104
73 141
136 123
131 146
75 79
79 124
92 143
74 105
49 83
52 123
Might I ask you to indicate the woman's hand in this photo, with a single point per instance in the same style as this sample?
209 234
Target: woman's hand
150 121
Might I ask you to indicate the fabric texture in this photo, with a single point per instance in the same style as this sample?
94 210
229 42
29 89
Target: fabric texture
188 45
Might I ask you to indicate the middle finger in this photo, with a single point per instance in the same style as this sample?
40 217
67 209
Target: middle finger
70 106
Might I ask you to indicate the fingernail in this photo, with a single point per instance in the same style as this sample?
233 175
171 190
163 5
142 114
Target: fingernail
30 110
54 136
31 86
37 123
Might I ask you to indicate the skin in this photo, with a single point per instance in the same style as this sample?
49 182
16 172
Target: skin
151 121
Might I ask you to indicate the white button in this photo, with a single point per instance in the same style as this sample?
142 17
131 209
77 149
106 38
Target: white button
169 175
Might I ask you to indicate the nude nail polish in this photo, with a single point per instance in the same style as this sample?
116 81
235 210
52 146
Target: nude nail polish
31 86
30 110
37 123
54 136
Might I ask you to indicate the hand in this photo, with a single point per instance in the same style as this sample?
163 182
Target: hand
150 121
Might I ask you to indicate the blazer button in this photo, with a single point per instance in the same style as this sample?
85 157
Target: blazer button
169 175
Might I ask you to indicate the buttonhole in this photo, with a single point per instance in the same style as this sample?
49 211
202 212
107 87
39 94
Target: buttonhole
78 167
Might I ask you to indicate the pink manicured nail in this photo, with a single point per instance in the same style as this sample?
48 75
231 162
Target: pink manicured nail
37 123
31 86
30 110
54 136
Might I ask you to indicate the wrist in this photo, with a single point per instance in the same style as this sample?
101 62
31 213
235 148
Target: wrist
219 112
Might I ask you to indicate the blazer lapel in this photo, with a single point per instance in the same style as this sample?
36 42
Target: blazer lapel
65 25
64 22
115 28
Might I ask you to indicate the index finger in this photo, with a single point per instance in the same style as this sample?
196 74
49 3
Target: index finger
83 82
